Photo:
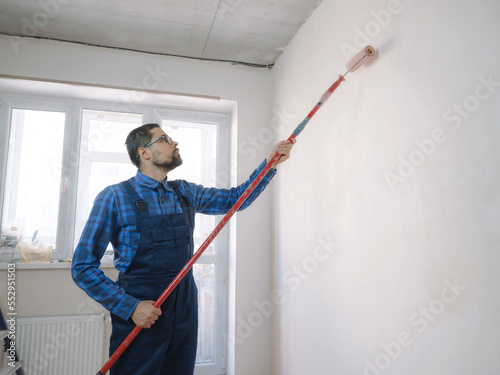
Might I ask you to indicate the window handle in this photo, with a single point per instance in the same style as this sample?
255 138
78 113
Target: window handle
64 184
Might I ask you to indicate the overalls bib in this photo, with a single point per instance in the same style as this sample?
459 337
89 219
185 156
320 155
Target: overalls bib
166 244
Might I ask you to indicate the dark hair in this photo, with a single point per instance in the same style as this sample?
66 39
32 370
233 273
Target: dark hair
139 137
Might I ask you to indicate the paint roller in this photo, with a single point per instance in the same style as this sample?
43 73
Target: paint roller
352 65
359 59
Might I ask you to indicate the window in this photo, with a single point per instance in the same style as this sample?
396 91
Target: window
31 198
61 155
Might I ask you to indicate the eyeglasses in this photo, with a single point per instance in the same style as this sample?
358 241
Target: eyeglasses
162 138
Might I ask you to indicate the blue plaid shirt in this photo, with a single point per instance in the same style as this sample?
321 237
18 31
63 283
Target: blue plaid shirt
110 221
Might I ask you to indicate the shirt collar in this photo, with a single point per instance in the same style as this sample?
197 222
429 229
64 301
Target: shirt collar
149 182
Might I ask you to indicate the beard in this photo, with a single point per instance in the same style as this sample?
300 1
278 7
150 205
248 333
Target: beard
172 164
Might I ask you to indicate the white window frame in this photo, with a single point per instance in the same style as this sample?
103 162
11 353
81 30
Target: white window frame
65 212
5 113
69 186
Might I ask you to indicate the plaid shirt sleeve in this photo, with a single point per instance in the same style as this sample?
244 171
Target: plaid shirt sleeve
213 201
101 228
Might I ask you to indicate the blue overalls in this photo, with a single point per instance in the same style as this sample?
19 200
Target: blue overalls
166 244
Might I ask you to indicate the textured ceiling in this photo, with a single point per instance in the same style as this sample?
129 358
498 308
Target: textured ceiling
253 32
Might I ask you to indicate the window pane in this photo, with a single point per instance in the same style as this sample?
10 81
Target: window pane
34 173
197 144
198 148
204 276
104 159
103 174
106 131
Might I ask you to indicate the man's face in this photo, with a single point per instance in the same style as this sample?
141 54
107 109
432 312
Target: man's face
164 155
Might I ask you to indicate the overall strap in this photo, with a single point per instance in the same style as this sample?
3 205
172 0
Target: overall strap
184 202
140 204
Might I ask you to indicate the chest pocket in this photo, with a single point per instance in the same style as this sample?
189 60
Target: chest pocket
171 248
171 233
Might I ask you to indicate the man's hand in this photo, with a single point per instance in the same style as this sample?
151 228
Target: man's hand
145 314
284 148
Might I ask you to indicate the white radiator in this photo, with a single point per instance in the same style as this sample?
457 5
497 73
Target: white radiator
60 345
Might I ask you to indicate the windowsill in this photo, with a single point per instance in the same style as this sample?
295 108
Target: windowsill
40 266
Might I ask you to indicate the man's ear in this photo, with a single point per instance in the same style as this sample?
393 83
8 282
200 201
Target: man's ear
143 153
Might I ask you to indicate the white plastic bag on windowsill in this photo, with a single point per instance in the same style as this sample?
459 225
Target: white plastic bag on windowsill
34 253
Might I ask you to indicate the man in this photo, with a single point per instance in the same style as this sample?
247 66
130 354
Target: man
149 221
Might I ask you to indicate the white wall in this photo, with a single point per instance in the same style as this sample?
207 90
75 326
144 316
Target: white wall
250 88
387 221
